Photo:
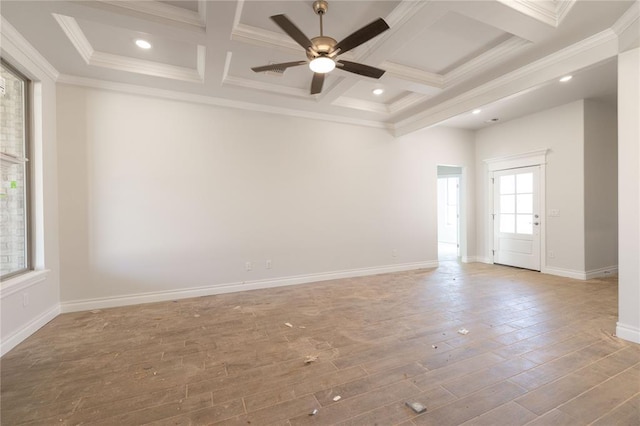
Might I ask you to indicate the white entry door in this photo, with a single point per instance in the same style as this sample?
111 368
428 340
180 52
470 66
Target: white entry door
516 218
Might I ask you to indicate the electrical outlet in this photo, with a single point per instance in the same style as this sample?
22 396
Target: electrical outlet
267 264
551 254
248 266
554 212
25 299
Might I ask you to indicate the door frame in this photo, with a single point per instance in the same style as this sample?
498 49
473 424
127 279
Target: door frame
527 159
463 249
458 212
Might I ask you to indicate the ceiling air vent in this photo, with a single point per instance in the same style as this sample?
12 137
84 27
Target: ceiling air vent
2 86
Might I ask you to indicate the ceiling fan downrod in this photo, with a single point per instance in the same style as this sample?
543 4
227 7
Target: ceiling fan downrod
320 7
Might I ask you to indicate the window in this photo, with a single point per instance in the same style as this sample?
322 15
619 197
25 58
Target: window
14 184
516 203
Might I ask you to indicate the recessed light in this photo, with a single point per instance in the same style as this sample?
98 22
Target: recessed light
143 44
566 78
476 111
378 92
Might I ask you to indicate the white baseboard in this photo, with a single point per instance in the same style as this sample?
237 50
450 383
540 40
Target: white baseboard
14 339
602 272
161 296
581 275
566 273
628 332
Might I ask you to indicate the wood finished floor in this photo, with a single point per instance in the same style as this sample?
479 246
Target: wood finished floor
539 351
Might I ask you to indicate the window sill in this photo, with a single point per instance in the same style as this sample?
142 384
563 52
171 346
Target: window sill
22 282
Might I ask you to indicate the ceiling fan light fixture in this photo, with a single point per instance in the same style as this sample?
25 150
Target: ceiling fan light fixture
322 64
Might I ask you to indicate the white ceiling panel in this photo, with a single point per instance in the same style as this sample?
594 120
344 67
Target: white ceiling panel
448 43
121 41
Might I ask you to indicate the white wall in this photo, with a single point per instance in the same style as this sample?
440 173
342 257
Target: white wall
600 186
42 287
561 131
629 189
170 196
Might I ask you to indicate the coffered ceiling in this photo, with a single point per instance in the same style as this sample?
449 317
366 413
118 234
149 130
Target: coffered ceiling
442 58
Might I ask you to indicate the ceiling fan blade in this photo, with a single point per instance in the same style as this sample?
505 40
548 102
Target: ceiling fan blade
293 31
360 69
282 66
316 83
363 35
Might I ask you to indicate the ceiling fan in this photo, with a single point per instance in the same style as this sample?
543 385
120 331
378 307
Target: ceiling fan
322 51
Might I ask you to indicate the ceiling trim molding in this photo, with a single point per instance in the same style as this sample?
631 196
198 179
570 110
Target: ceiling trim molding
11 36
396 19
124 63
403 12
498 54
260 37
405 102
627 19
76 36
230 80
140 66
510 79
545 12
413 74
164 11
563 8
360 104
213 101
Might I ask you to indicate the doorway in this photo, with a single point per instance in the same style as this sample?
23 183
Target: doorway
449 180
516 216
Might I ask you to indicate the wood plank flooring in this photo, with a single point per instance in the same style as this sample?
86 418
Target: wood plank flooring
540 351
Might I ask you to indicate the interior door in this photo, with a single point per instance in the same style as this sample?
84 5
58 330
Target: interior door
516 217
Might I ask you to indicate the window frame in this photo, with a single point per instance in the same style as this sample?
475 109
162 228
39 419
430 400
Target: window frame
28 198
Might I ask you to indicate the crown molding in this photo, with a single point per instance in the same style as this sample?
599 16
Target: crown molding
396 19
359 104
124 63
498 54
550 13
76 36
155 69
11 37
562 9
260 37
229 80
413 74
525 77
405 102
627 19
164 11
213 101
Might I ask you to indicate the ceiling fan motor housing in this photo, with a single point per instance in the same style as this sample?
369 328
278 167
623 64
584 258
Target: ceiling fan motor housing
323 46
